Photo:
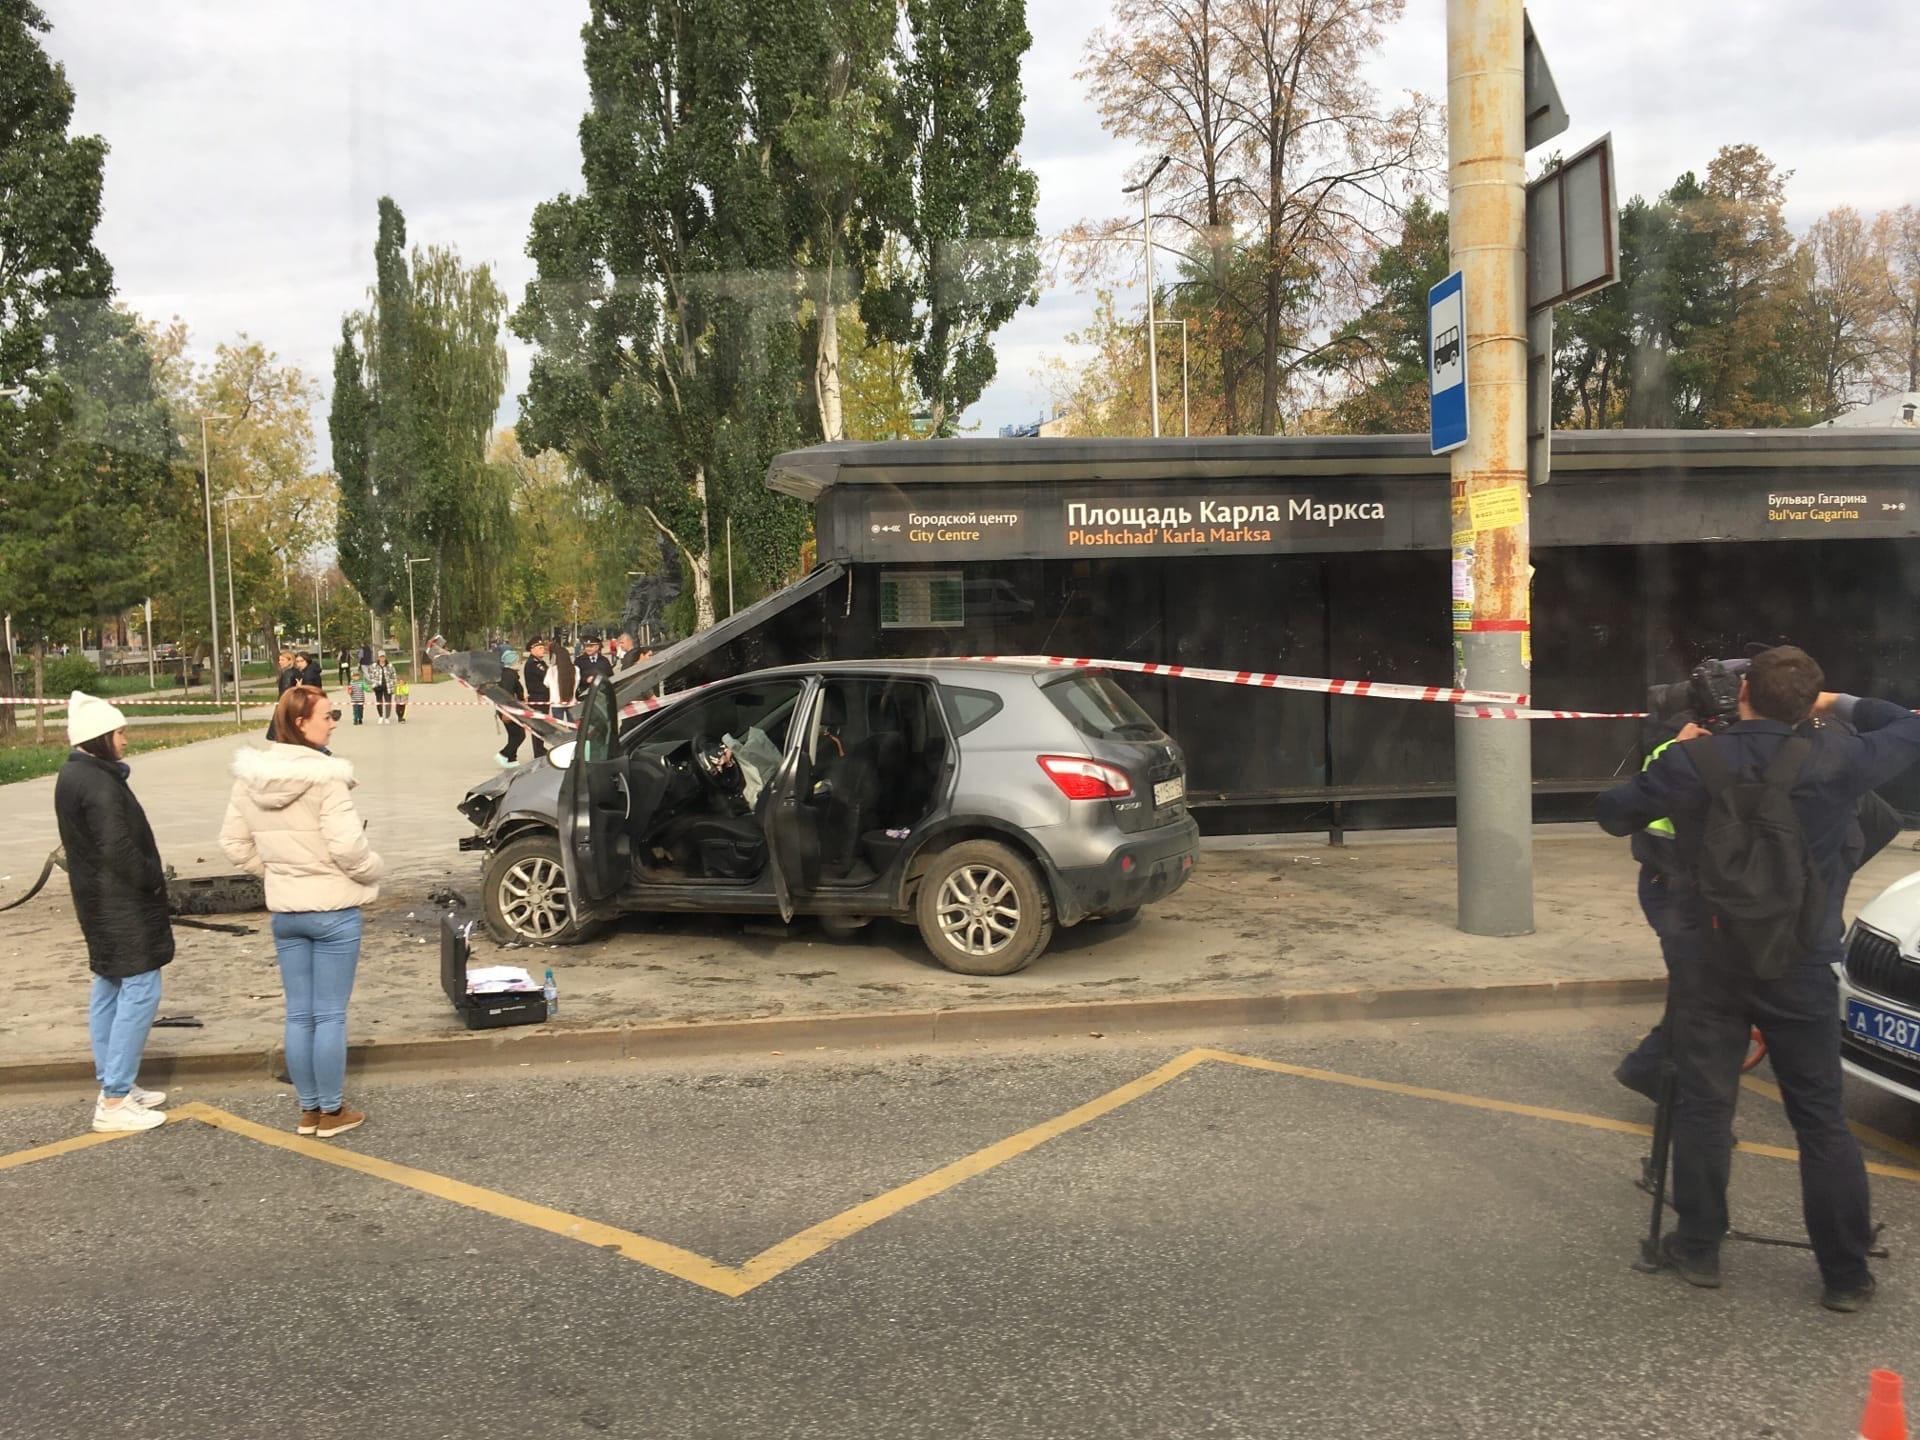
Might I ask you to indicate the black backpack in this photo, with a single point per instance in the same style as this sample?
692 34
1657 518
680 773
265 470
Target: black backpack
1754 873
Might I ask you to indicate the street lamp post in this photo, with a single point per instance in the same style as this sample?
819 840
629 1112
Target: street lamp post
1145 187
213 606
413 620
319 636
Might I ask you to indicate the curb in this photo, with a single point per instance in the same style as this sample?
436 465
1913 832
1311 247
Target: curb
654 1041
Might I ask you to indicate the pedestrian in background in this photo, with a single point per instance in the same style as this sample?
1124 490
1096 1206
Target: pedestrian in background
357 693
567 683
509 755
380 678
402 689
309 669
533 674
346 665
291 819
594 666
285 677
120 894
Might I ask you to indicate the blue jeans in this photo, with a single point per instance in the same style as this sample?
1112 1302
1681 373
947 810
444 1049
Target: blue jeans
118 1017
319 951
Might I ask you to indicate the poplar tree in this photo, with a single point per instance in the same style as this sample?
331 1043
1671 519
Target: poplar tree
85 444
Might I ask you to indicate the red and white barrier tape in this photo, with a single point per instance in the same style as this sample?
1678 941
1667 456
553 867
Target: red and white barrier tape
1502 712
1310 684
1473 704
511 712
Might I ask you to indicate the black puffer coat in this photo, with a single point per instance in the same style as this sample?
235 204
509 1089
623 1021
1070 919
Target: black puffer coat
119 884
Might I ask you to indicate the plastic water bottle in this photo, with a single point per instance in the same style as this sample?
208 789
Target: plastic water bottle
552 992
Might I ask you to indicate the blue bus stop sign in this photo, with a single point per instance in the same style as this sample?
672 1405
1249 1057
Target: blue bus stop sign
1447 363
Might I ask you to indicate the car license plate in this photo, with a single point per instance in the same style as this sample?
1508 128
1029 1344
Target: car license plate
1883 1028
1169 792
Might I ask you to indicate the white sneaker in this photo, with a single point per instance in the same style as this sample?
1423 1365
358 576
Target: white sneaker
147 1099
125 1117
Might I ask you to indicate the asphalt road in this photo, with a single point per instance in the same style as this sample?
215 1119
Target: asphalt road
1233 1252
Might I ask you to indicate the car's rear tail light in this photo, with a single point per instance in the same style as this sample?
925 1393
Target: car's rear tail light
1082 779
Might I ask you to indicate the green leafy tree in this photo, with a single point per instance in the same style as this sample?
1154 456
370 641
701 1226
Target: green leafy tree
1383 351
418 378
361 538
820 86
666 368
84 445
953 189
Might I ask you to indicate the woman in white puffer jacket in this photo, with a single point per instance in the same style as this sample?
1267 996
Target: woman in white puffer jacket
291 819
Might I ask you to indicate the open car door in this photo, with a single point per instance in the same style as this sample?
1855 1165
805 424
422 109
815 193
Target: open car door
788 831
595 850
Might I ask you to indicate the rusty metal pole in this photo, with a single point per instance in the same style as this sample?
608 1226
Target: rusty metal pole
1492 571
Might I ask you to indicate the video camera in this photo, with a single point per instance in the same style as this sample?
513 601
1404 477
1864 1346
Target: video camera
1711 694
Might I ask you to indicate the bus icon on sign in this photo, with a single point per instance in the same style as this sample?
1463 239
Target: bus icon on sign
1446 348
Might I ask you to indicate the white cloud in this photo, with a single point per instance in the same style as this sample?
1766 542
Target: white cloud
251 141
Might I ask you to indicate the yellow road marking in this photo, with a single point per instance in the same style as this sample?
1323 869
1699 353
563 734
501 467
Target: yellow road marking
670 1259
734 1281
1879 1139
811 1241
63 1147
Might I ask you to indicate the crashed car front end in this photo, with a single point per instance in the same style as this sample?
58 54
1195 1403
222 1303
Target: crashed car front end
505 804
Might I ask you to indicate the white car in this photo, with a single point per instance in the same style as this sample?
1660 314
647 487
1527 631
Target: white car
1880 991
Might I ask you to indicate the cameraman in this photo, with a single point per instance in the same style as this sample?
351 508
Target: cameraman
1709 701
1715 995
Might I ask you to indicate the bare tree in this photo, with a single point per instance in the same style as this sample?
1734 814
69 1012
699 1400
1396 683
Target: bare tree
1844 274
1165 75
1899 239
1327 169
1289 171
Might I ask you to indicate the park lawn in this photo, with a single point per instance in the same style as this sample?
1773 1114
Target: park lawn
22 759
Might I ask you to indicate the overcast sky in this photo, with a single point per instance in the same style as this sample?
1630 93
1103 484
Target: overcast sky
250 141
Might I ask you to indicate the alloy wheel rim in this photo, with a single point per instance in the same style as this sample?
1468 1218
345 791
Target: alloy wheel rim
978 910
533 898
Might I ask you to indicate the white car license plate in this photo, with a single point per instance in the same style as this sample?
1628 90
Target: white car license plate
1168 792
1883 1027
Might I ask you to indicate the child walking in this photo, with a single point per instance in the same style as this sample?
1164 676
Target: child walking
401 689
357 692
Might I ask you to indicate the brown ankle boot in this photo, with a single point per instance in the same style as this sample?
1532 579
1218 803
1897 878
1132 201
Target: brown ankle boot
309 1122
338 1122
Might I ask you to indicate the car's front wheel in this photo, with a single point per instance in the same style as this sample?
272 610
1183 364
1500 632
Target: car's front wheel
524 894
983 910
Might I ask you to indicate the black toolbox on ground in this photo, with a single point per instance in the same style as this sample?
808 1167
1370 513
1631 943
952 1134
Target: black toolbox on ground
481 1012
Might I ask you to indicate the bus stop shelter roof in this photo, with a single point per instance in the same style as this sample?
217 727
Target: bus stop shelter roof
808 474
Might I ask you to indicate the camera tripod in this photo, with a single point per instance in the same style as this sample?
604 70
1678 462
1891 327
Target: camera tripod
1653 1180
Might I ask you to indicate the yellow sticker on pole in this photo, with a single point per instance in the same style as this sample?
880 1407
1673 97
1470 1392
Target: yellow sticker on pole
1497 509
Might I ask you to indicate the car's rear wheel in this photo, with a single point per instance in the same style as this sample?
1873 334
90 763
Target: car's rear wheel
982 909
524 894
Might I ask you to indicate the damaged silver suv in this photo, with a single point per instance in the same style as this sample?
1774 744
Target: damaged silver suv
984 802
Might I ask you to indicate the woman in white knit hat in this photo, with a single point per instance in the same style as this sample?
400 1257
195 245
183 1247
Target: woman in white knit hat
291 819
120 892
